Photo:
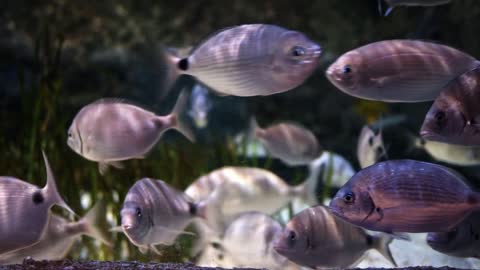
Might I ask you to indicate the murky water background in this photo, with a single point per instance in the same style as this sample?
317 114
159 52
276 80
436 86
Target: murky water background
56 56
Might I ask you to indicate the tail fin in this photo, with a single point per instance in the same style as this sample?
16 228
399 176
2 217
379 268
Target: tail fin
50 190
95 223
380 243
169 59
179 125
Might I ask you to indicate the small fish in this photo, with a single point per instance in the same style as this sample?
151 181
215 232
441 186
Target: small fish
316 238
290 142
24 210
154 213
450 153
454 116
463 241
244 189
249 240
398 70
396 3
109 131
200 106
59 237
250 60
405 196
370 148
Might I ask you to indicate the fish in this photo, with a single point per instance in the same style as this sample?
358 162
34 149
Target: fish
316 238
24 210
249 60
244 189
290 142
450 153
200 105
370 147
376 198
463 241
454 116
248 239
398 70
155 213
59 237
396 3
109 131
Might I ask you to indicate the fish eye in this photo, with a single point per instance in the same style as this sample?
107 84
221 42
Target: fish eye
69 134
297 51
292 237
439 116
370 141
138 212
347 69
349 198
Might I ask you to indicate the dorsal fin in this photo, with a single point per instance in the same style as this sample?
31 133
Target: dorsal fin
208 37
109 100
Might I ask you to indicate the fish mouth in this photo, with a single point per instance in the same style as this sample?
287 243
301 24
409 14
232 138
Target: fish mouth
428 135
280 249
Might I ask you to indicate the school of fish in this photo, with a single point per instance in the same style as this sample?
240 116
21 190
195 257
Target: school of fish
234 210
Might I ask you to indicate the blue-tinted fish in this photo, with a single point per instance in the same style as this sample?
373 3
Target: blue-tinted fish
405 196
24 210
396 3
200 106
251 60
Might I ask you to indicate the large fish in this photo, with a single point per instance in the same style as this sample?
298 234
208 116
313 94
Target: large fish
290 142
451 153
454 117
24 210
154 213
316 238
60 236
398 70
462 241
405 196
251 60
109 131
370 148
249 241
243 189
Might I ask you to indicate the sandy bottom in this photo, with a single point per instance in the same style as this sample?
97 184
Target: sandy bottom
104 265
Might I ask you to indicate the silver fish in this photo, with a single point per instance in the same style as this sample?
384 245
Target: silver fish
316 238
59 237
109 131
398 70
370 148
462 241
435 198
154 213
396 3
290 142
451 153
243 189
24 210
251 60
200 105
249 240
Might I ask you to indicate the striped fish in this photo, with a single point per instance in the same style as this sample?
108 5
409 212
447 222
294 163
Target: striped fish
24 210
250 60
109 131
370 148
243 189
290 142
398 70
154 213
405 196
